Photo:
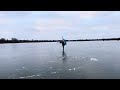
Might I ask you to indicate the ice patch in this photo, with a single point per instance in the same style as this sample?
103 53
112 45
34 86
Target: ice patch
73 68
73 57
38 75
29 76
50 67
83 57
80 67
33 76
51 61
59 69
18 69
22 77
94 59
70 69
53 72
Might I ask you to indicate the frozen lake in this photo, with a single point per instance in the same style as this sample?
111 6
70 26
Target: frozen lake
81 60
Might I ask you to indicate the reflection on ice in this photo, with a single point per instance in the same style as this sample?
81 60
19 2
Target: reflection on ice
64 56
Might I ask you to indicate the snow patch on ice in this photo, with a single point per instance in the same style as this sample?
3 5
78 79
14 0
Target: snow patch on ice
93 59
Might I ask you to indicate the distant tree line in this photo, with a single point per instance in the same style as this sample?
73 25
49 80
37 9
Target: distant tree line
15 40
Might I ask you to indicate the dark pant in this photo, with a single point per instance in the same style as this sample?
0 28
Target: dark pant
63 46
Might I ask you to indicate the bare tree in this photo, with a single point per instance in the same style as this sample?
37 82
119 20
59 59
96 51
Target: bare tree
14 39
2 40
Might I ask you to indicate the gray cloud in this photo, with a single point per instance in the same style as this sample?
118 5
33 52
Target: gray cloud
72 25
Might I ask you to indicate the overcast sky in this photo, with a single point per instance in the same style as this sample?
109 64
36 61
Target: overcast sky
55 24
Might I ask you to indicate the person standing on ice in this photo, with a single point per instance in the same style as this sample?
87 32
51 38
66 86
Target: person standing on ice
63 43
